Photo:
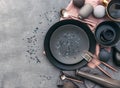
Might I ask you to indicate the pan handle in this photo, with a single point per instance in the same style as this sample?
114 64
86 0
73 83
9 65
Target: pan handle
104 81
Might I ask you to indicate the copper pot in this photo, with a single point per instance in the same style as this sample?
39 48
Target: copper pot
112 9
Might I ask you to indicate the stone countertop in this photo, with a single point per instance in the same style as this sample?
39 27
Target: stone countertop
23 25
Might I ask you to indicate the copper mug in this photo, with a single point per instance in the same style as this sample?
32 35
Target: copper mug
112 9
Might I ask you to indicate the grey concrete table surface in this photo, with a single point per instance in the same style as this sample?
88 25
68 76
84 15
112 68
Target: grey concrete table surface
23 25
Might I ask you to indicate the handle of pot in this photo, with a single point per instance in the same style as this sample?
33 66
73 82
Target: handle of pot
105 2
103 81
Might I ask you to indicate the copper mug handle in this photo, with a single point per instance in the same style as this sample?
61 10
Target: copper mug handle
105 2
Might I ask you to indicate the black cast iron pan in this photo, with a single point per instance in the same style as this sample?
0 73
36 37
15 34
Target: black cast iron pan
65 41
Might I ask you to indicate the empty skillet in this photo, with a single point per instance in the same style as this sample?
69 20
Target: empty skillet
65 41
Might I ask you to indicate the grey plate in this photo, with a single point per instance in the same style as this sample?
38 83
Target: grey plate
67 43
